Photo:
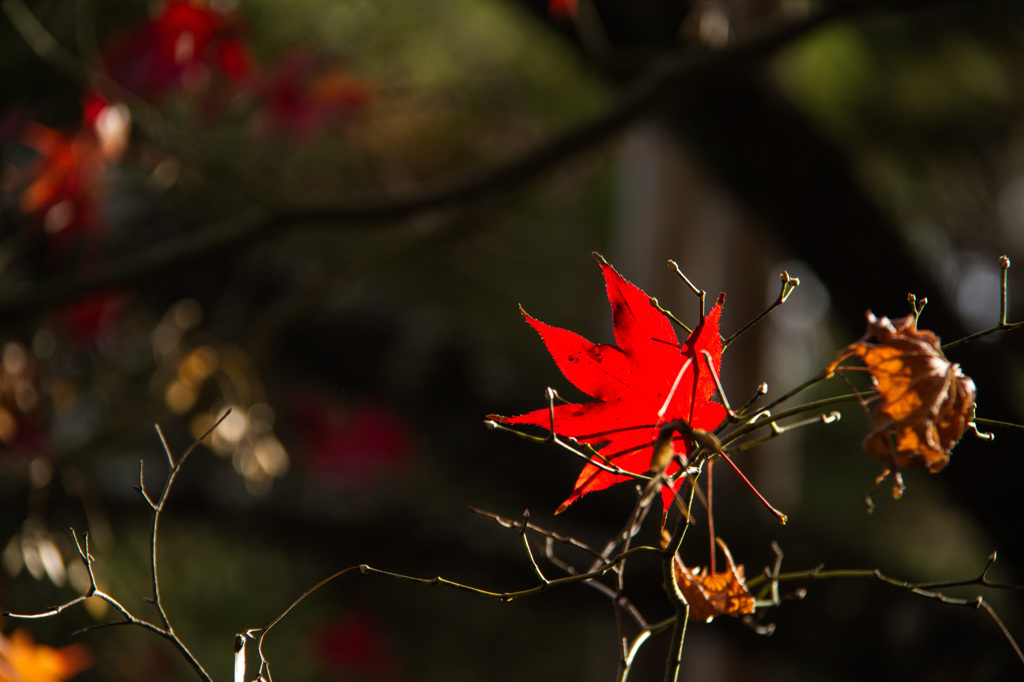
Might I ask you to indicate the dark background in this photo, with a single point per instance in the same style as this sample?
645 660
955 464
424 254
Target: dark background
351 293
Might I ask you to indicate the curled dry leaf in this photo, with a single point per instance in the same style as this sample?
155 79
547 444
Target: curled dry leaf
925 401
714 594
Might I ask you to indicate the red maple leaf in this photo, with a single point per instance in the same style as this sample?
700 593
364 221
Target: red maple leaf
639 385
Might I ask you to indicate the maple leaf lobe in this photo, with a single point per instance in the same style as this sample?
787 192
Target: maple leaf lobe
630 382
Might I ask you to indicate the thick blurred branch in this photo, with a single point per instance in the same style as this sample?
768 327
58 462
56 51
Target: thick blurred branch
665 82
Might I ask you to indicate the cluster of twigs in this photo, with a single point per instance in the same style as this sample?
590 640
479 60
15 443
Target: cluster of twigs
604 570
162 626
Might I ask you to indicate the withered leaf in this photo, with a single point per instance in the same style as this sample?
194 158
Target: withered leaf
714 594
925 401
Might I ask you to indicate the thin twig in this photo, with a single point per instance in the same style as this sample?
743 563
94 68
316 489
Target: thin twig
710 362
996 422
679 621
777 430
158 508
789 284
518 525
366 569
591 456
1001 325
264 664
764 417
550 537
926 590
779 516
762 390
810 383
1006 632
917 305
529 552
982 334
713 446
699 293
164 629
517 594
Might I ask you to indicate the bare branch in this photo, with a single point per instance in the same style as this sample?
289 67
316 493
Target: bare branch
164 628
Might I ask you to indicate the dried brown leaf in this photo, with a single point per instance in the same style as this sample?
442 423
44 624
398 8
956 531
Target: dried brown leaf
925 402
714 594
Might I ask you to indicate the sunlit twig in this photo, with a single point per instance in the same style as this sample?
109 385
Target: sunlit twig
1001 325
929 590
699 293
789 284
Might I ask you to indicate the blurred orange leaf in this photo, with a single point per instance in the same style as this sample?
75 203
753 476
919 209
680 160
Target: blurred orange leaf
925 401
22 660
60 187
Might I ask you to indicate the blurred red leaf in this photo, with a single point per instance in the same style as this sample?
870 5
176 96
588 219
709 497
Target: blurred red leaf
632 382
179 50
62 186
302 96
356 643
87 320
355 443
